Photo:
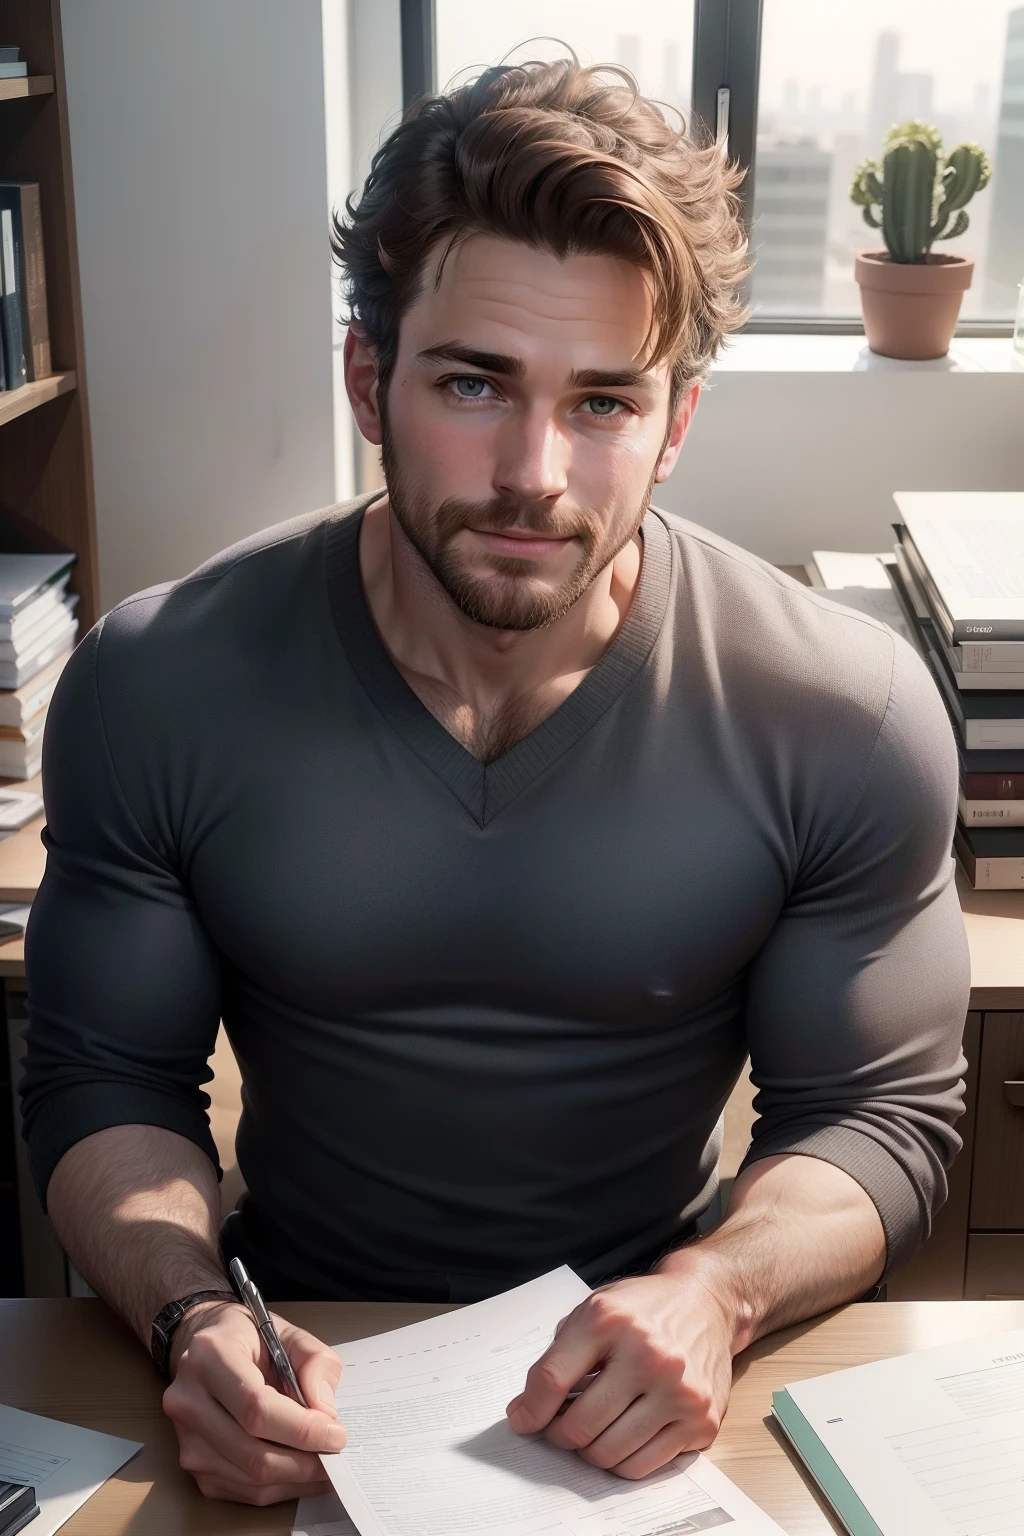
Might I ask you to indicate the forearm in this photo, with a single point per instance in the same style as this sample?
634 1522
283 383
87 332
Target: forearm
137 1210
800 1236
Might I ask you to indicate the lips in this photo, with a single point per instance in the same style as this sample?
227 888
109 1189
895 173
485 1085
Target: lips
523 544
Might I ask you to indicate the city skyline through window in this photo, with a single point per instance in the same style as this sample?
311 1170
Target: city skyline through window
835 74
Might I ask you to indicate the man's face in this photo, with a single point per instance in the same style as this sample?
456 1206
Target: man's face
522 435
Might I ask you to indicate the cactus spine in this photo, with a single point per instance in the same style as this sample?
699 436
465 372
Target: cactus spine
916 191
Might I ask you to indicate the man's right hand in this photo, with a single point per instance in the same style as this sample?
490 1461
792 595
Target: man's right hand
239 1436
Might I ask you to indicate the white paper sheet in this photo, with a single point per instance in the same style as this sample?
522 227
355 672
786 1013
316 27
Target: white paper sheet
933 1443
839 569
64 1464
430 1452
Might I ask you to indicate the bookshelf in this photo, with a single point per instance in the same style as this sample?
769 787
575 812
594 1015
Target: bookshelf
46 481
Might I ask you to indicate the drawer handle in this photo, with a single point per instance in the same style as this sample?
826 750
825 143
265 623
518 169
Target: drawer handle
1015 1093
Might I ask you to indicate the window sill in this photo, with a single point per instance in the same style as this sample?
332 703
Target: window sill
851 354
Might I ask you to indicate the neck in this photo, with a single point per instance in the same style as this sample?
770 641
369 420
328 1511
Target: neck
488 687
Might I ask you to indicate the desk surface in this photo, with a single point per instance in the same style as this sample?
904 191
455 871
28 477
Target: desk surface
73 1360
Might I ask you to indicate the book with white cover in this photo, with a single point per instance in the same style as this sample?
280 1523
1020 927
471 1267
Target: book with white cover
839 568
971 547
24 703
928 1444
24 577
431 1451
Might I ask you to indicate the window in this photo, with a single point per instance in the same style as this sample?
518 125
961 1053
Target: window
834 76
813 84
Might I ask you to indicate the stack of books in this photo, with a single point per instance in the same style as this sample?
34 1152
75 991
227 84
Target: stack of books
24 323
38 629
959 572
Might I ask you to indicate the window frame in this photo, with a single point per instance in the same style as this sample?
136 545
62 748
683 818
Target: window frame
726 56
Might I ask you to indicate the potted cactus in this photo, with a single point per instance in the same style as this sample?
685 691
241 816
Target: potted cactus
910 295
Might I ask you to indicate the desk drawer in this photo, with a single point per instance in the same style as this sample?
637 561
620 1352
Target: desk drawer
997 1184
995 1266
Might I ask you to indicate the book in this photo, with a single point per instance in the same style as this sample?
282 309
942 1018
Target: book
23 578
926 1444
967 550
13 674
991 813
992 786
984 721
10 305
22 197
998 664
24 703
12 70
19 761
30 640
47 603
9 53
993 857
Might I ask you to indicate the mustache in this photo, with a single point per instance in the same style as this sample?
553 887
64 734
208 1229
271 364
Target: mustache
498 514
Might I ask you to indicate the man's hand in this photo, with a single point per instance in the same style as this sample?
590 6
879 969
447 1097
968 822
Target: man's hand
239 1436
662 1348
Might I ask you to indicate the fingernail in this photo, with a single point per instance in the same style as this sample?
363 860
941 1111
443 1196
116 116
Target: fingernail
520 1420
326 1393
336 1438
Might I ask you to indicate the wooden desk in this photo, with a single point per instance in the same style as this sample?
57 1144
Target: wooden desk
73 1360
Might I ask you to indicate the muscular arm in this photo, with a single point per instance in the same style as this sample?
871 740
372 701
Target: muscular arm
136 1207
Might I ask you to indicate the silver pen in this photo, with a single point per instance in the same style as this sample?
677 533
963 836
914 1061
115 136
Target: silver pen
249 1294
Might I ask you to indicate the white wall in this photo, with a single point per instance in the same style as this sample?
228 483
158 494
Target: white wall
198 150
784 463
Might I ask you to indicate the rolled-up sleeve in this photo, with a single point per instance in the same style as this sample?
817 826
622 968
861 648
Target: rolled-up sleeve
123 981
856 1004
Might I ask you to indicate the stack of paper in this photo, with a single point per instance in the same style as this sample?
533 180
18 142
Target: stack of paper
64 1464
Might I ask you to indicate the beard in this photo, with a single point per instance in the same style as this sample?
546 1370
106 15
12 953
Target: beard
517 596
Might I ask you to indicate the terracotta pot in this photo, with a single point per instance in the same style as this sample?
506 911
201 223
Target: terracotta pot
911 308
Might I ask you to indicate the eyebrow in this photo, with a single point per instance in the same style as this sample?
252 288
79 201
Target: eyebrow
504 364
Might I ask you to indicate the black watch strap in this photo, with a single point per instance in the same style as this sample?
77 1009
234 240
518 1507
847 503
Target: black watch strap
165 1324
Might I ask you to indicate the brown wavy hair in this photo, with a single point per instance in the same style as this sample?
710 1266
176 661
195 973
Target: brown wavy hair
567 158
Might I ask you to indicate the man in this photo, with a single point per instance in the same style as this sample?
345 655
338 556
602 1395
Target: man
499 817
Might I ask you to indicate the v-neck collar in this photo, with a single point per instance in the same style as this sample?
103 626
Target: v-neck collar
486 789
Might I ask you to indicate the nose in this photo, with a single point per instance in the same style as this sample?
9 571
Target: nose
532 459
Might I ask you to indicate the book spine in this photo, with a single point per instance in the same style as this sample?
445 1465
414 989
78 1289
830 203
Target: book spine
993 786
991 629
979 656
991 813
993 735
10 304
33 267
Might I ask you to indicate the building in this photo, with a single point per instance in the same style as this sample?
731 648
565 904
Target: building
790 230
1005 267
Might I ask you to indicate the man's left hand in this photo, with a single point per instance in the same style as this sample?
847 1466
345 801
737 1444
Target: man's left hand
662 1348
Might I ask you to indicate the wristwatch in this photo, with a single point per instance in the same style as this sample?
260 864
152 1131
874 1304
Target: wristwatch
165 1324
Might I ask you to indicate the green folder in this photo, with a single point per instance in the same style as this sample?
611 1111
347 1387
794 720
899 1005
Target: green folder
823 1468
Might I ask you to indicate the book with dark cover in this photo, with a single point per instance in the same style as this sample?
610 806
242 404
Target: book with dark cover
9 55
993 857
22 198
10 305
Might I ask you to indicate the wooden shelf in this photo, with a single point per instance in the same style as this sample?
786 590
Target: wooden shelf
28 85
15 402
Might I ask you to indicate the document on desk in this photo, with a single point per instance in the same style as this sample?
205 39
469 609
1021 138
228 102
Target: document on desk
63 1463
929 1444
430 1452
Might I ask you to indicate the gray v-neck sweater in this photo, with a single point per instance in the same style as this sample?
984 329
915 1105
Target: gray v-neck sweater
488 1017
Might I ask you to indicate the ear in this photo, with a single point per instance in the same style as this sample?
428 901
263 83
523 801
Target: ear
361 382
680 425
